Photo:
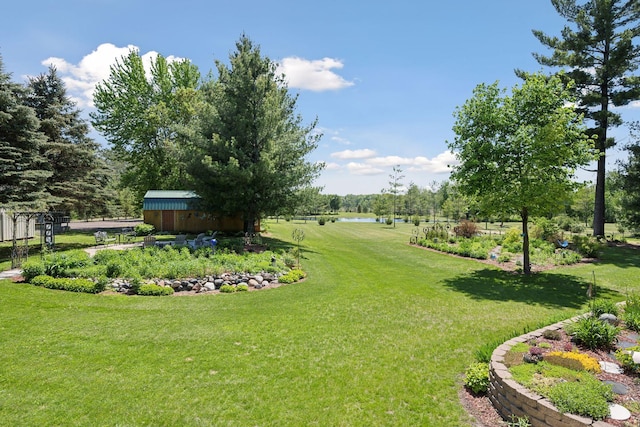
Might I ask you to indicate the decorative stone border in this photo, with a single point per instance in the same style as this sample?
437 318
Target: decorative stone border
510 398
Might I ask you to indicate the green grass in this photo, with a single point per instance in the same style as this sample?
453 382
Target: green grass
379 333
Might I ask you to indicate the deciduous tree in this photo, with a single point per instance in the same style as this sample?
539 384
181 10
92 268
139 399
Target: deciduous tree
518 153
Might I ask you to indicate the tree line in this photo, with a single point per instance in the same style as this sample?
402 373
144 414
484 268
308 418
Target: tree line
235 139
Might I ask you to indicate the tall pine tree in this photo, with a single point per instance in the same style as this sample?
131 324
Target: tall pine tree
23 170
251 146
600 55
78 172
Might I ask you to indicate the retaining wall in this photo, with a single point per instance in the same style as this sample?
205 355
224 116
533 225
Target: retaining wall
511 398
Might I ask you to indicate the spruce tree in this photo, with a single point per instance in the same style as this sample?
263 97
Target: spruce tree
600 55
78 173
23 170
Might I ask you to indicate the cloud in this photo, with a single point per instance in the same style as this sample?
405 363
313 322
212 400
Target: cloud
353 154
439 164
315 75
81 79
364 169
332 166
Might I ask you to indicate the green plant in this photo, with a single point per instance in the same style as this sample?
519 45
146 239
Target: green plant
476 377
601 306
625 357
242 287
66 284
593 333
151 289
227 289
32 268
292 276
588 246
631 314
322 220
518 421
389 221
589 397
144 229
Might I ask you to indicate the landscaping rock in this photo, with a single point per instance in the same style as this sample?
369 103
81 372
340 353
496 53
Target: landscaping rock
209 286
608 318
619 412
253 282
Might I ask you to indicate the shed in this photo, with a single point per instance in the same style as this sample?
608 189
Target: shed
181 211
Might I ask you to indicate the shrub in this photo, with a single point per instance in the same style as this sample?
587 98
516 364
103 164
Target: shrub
593 333
242 287
416 221
151 289
573 360
476 377
322 220
292 276
545 229
144 229
588 246
601 306
66 284
466 229
588 398
32 268
389 221
227 289
631 314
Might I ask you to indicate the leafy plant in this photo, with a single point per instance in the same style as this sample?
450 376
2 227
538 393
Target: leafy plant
151 289
518 421
242 287
631 314
589 397
144 229
588 246
67 284
552 334
625 357
601 306
227 289
292 276
593 333
476 377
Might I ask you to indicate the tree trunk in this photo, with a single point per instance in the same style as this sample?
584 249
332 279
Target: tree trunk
526 262
599 207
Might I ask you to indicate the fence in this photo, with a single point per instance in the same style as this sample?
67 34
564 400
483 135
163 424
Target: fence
25 228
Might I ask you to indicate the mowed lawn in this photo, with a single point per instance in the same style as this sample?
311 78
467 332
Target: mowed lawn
379 334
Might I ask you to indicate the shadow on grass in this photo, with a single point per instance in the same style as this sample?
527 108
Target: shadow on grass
621 256
547 289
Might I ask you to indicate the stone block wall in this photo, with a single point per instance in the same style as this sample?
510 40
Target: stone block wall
510 398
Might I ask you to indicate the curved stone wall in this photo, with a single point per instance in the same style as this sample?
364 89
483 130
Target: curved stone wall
510 398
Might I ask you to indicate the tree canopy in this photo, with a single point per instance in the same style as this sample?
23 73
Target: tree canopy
23 169
518 153
250 146
140 115
600 55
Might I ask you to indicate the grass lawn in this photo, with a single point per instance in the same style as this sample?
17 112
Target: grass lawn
379 334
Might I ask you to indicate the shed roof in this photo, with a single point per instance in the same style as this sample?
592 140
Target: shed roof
159 200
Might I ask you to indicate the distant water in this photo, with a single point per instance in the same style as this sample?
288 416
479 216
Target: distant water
382 220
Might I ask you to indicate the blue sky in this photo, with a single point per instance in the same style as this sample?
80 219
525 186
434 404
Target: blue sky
383 78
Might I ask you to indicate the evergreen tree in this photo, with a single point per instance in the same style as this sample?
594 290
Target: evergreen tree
630 181
23 170
78 173
600 55
251 145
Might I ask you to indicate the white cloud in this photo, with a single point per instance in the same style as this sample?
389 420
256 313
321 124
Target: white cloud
315 75
353 154
364 169
439 164
332 166
82 78
340 140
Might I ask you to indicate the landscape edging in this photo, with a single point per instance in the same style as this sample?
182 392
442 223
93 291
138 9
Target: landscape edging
512 399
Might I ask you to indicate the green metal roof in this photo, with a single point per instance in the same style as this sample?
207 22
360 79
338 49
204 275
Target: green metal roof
177 200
